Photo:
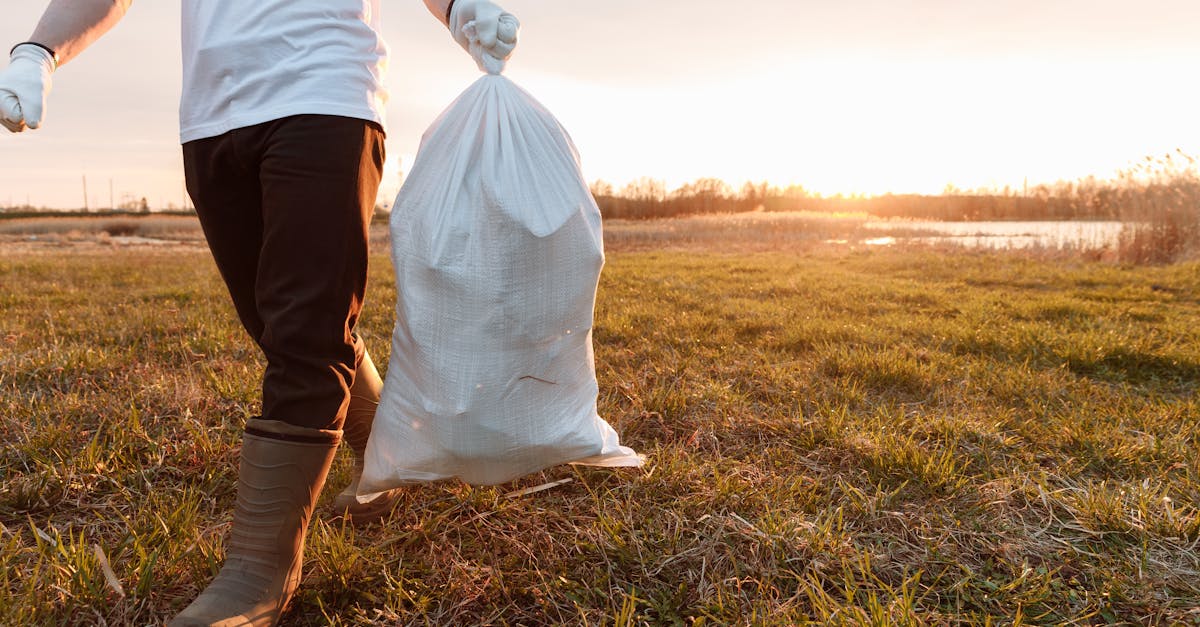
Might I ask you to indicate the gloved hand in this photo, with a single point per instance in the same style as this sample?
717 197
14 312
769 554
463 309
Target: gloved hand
485 31
24 86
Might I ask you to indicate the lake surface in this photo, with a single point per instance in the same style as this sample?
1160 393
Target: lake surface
1076 234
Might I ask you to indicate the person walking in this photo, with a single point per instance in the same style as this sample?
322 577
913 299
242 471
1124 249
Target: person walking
282 126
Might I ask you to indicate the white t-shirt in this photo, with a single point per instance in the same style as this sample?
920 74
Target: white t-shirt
251 61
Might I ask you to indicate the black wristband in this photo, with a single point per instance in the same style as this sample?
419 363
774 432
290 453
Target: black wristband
449 9
53 54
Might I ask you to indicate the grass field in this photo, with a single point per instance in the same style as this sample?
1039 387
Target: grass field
895 437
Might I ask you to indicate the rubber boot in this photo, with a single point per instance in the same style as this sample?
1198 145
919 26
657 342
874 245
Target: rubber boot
283 469
364 400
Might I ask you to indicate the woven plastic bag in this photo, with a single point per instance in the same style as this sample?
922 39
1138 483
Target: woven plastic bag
497 247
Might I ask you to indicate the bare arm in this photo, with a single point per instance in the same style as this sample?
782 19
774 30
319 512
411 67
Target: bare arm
69 26
438 8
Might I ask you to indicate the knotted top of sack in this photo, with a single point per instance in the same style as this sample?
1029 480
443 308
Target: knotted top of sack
507 31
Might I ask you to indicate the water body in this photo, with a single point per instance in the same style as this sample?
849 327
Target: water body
1066 234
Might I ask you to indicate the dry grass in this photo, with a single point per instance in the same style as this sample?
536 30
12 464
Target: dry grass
754 231
849 438
57 234
162 227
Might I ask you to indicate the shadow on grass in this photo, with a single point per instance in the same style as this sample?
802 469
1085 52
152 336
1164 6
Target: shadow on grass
1132 366
1118 364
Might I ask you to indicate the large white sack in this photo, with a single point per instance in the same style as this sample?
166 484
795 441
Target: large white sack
497 248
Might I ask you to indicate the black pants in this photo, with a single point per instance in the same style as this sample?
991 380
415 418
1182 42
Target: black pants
285 207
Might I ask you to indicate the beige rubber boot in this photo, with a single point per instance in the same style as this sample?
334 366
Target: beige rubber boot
364 400
282 471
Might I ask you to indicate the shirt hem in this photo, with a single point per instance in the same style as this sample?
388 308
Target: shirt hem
213 129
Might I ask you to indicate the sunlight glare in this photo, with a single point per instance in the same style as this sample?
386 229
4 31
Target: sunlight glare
859 125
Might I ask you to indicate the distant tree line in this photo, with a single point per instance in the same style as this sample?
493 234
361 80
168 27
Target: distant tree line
1154 183
29 211
647 198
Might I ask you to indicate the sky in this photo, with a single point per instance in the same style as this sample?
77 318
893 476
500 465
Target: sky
852 97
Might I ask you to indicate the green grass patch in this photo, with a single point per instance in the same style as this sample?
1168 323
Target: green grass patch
874 438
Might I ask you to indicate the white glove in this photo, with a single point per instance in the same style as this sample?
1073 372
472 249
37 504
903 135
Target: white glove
485 31
24 86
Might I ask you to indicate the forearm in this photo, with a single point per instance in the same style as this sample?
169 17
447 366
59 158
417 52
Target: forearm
439 9
69 26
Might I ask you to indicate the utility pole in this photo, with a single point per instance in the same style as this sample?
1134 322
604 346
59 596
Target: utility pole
85 200
112 204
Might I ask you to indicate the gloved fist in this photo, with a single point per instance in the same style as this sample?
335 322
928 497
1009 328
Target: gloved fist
24 86
485 31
